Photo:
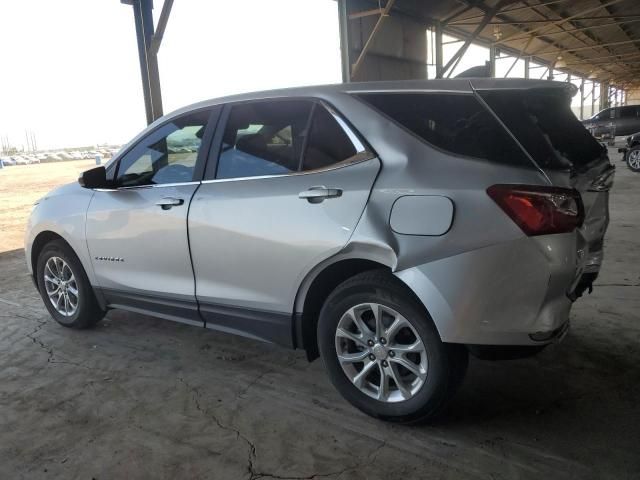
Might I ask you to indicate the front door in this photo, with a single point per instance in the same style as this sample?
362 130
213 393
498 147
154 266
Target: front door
137 233
290 187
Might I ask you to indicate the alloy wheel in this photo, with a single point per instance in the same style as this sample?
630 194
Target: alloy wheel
634 159
61 287
381 352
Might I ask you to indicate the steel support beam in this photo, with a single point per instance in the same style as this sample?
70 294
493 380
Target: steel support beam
562 21
577 29
345 45
156 41
142 57
383 15
152 60
582 99
614 56
465 46
365 13
439 50
546 22
511 10
515 61
492 61
588 47
148 44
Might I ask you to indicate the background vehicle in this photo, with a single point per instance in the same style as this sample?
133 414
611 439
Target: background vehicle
614 121
631 153
384 227
7 161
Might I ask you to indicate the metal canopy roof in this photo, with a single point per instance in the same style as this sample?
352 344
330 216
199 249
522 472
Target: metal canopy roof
592 37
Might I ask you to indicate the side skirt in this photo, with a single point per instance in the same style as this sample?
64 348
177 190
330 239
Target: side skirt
177 310
274 327
267 326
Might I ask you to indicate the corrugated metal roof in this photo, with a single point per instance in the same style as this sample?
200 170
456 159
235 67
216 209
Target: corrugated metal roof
591 36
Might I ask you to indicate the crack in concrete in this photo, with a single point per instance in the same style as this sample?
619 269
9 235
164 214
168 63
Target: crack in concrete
259 377
37 341
253 473
313 476
51 356
195 395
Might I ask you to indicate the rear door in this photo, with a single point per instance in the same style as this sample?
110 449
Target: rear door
627 122
290 184
544 124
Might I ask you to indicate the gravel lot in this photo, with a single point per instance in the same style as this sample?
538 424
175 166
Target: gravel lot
21 186
139 397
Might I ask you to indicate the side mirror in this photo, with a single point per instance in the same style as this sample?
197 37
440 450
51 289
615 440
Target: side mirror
95 178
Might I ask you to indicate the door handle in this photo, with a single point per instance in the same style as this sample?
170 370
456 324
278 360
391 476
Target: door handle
319 194
167 202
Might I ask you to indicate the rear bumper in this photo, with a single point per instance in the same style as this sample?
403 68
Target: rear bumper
514 293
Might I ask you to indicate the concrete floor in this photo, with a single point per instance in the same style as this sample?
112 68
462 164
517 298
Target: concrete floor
144 398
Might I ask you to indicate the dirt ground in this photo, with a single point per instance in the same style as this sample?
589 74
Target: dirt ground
139 397
21 186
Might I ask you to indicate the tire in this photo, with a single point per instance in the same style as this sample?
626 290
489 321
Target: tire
61 263
633 158
437 369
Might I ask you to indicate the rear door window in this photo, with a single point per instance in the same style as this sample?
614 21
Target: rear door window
546 127
276 137
456 123
328 142
263 138
628 112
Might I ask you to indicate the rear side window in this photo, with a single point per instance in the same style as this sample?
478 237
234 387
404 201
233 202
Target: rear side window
546 127
456 123
628 112
275 137
328 143
263 138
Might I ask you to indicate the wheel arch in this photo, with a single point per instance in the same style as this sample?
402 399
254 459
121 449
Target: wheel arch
39 242
317 286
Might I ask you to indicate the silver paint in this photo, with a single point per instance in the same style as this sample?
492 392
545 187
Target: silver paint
254 243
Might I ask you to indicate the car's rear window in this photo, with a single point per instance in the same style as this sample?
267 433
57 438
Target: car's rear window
456 123
546 127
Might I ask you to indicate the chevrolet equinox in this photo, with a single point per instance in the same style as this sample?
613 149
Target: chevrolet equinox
389 228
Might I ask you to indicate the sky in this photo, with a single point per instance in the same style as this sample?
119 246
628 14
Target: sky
70 71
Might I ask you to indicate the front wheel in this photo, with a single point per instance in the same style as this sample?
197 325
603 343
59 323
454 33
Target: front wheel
383 353
633 158
65 288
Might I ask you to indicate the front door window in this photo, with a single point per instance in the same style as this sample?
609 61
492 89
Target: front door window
166 155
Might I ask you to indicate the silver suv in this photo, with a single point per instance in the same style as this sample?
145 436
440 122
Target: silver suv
389 228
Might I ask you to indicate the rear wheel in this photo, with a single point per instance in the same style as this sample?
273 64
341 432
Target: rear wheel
633 158
65 288
383 353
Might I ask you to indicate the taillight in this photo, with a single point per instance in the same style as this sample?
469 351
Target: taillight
540 210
